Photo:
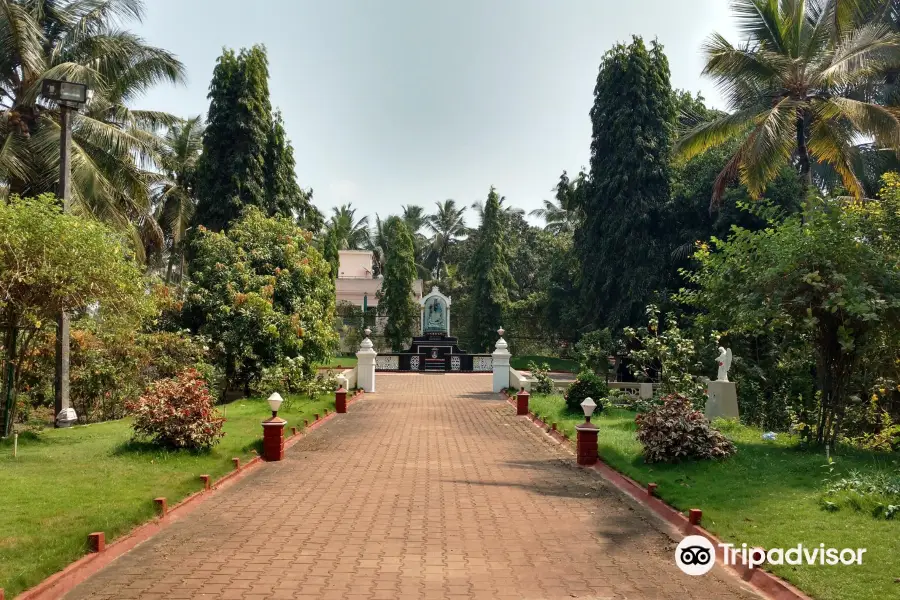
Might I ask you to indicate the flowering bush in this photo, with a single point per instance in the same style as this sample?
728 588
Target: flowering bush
178 413
543 383
675 431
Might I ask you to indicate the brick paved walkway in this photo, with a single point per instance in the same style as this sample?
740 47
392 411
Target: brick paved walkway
429 489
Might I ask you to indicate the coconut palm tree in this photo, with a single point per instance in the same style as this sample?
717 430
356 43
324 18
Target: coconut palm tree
414 217
447 225
478 207
801 89
113 146
562 214
349 232
174 197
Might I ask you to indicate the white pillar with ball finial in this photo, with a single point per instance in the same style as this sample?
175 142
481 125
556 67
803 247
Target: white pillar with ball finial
501 363
366 364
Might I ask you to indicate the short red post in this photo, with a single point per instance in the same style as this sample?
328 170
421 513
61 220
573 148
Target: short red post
273 439
316 416
1 593
205 480
306 422
236 462
96 543
553 427
522 403
340 400
651 489
162 507
586 443
694 516
293 431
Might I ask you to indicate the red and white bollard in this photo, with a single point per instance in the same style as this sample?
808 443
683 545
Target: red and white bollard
522 402
586 436
340 400
273 439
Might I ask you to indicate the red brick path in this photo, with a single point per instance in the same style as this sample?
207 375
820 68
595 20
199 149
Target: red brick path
428 489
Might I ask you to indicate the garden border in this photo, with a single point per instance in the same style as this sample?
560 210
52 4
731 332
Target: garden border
64 581
769 585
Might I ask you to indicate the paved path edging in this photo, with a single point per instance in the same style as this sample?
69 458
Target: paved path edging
62 582
767 584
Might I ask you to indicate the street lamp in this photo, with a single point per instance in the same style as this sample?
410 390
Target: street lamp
275 401
588 407
69 96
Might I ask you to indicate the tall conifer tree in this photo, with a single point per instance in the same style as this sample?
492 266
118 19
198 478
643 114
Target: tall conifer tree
232 171
489 273
395 299
247 159
620 242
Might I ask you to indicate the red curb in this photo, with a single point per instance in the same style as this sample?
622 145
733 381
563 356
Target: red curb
769 585
62 582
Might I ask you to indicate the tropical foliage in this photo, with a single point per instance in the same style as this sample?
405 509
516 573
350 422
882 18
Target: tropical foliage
261 292
802 88
49 263
114 146
395 300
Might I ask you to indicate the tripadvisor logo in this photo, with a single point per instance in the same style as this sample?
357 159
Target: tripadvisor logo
696 555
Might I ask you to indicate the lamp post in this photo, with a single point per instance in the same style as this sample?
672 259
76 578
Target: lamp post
273 431
586 435
69 96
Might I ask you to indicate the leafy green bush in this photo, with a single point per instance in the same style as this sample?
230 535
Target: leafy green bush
876 492
593 350
542 383
676 431
586 385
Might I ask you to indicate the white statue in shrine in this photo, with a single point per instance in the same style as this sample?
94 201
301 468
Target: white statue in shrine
724 361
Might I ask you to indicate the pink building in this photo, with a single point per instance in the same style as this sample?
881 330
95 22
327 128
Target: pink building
356 280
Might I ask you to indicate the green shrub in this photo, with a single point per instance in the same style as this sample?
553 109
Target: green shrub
586 385
542 383
876 492
676 431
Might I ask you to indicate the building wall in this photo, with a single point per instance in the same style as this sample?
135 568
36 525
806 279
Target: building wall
355 264
355 279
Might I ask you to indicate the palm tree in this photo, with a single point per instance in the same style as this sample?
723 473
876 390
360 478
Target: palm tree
414 217
174 199
114 147
562 214
377 243
478 207
350 233
801 89
447 225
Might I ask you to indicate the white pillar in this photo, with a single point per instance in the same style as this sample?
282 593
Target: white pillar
366 366
501 363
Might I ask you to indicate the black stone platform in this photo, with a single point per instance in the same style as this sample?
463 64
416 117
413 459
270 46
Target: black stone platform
437 352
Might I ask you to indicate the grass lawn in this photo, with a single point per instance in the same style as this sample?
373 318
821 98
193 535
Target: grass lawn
768 495
346 362
67 483
520 363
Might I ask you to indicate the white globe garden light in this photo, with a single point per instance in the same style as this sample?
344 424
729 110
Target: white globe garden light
275 401
588 406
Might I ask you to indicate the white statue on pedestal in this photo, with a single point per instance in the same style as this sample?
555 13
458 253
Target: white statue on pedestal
724 360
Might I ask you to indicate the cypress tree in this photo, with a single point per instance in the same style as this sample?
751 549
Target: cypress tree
621 241
232 173
395 299
488 271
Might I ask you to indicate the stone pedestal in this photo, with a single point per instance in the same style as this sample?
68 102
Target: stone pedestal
66 418
273 439
586 443
340 400
366 366
721 400
522 403
500 361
